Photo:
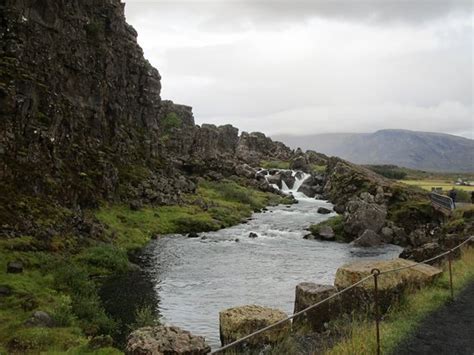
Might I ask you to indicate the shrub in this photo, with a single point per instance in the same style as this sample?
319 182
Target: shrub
170 121
145 316
106 258
275 164
389 171
62 314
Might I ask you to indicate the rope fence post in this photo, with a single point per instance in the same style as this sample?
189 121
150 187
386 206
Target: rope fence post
450 257
376 273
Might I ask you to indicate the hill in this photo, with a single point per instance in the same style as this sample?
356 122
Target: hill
417 150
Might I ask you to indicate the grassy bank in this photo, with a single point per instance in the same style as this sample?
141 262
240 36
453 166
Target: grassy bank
403 318
63 281
443 184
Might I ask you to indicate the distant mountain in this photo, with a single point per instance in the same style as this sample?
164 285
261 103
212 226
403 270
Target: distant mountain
417 150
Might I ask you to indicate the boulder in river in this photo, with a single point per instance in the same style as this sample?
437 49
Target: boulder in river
238 322
308 294
253 235
368 239
361 215
324 210
165 340
193 235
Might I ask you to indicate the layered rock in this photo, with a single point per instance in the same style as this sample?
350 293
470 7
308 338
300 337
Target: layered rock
82 120
165 340
238 322
308 294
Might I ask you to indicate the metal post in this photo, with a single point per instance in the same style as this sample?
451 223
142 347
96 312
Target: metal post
450 274
376 273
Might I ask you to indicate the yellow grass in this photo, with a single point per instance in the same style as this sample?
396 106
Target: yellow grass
428 184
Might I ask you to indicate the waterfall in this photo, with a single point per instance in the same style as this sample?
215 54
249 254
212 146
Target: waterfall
278 177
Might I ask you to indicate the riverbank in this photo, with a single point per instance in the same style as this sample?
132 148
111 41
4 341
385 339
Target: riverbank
404 318
62 279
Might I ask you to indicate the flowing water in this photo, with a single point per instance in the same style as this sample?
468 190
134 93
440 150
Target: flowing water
194 279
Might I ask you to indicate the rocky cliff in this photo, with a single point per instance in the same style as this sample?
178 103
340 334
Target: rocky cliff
82 120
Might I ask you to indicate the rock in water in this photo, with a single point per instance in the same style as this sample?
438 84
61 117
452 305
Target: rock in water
326 233
324 210
238 322
368 239
307 294
193 235
253 235
165 340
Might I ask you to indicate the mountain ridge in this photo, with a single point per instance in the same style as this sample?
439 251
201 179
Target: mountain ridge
431 151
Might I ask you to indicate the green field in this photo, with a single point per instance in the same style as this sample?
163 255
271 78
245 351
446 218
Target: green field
428 184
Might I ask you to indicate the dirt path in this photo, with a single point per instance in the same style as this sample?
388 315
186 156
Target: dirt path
450 330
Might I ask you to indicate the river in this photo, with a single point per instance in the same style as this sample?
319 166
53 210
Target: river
192 279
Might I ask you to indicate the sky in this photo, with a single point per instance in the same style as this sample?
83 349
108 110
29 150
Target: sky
320 66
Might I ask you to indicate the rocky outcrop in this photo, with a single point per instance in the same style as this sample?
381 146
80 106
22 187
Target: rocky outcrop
82 120
362 215
238 322
165 340
368 239
308 294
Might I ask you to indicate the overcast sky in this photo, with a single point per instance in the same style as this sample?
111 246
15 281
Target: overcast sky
314 66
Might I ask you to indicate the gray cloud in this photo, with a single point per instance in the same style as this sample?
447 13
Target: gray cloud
315 66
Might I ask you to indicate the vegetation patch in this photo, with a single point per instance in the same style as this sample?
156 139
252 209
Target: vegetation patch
337 225
275 164
389 171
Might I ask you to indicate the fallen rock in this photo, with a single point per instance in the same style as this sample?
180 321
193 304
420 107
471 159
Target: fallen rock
307 294
15 267
40 319
253 235
136 205
324 210
165 340
368 239
238 322
390 285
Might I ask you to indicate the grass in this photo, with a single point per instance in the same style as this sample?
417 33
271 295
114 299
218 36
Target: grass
403 318
215 205
429 184
336 223
275 164
61 274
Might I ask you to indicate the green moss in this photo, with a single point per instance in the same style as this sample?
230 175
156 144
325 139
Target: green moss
41 339
103 259
318 168
411 212
336 223
275 164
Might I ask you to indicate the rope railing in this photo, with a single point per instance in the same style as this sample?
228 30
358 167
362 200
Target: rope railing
375 273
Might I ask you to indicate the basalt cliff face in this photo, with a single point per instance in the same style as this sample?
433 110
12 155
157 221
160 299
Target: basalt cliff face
81 118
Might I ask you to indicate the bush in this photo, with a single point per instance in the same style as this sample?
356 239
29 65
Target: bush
389 171
85 302
170 121
145 316
62 314
106 258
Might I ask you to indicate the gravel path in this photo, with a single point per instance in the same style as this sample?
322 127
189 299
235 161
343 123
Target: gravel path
449 330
